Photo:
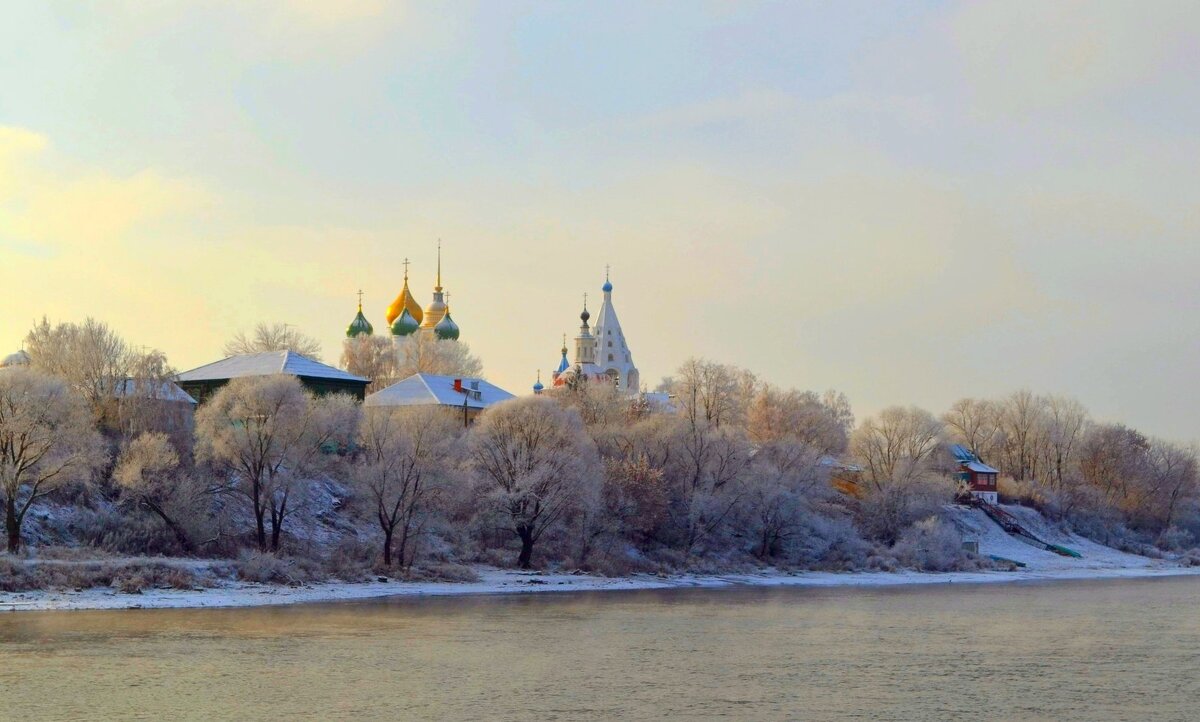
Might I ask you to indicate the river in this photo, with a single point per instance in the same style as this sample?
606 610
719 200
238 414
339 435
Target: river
1102 650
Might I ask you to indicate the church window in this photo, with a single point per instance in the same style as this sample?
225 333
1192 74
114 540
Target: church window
610 344
610 357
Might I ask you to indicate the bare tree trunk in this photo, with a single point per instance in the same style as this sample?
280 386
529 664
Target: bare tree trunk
387 546
184 542
524 561
13 523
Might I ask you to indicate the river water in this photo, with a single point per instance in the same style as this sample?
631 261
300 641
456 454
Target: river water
1104 650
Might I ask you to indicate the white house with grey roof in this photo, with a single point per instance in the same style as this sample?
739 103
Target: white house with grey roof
460 394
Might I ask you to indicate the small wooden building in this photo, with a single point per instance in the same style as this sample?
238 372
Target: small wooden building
317 377
975 476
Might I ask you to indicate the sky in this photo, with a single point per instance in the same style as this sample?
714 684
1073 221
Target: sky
907 202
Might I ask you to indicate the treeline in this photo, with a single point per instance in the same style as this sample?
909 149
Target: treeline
733 472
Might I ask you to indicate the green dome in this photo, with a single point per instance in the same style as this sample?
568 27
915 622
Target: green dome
360 326
404 324
446 329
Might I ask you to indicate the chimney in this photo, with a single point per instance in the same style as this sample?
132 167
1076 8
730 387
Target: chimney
458 385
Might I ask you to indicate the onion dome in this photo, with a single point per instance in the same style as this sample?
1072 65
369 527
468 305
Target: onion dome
20 358
404 301
607 287
585 315
446 329
360 326
404 324
537 386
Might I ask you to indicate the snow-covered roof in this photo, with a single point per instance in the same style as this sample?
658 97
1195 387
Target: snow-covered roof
266 364
980 467
17 358
430 389
166 391
962 453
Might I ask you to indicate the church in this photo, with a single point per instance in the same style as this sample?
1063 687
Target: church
601 356
404 316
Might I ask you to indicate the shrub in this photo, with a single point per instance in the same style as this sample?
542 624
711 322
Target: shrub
931 545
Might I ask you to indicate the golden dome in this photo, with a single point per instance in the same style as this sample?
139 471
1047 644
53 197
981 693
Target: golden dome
403 301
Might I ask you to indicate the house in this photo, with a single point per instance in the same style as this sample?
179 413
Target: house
467 397
317 377
975 476
152 405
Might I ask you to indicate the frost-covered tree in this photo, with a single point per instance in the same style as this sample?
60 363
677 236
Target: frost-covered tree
266 432
372 357
47 439
127 389
422 352
975 423
404 453
146 472
273 337
896 445
820 422
897 450
532 460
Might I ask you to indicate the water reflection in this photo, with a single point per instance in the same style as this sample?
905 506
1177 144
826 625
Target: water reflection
1073 651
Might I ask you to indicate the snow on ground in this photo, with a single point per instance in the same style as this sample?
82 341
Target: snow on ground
1098 562
500 581
993 540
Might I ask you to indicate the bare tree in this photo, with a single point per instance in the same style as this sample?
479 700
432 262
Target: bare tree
712 393
90 356
1022 423
404 451
372 357
531 458
818 422
975 423
273 337
145 470
1065 421
423 352
47 439
897 445
267 431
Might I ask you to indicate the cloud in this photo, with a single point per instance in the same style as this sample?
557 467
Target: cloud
58 204
1019 56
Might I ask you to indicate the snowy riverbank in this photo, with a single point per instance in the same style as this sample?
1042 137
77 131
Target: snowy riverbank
500 581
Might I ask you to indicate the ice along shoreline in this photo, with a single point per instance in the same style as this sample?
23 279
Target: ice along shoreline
500 581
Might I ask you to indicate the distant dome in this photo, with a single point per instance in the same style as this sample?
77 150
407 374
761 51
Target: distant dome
446 329
20 358
360 326
538 387
585 315
607 287
404 324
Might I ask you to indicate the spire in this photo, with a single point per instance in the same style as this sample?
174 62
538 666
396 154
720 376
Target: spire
564 364
437 307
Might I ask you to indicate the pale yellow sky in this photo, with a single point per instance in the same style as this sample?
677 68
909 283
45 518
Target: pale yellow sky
910 203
